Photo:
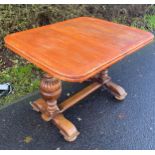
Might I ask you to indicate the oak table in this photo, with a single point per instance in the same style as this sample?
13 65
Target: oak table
75 50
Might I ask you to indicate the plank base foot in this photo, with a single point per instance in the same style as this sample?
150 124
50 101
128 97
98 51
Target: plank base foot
117 91
67 129
50 89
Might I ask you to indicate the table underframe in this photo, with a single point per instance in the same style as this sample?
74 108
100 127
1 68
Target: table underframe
50 90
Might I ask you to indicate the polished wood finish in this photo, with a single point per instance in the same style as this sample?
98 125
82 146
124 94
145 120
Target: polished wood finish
75 50
50 89
118 92
67 129
68 103
79 48
41 106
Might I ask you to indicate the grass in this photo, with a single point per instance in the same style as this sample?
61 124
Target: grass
150 19
148 23
24 79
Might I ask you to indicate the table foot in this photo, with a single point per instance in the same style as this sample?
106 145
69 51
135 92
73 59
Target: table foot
50 89
118 92
39 105
67 129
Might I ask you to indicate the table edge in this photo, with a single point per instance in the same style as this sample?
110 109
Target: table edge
75 78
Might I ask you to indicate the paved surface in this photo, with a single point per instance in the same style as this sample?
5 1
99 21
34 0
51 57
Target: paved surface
104 123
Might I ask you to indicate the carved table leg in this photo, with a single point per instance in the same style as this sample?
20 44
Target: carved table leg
67 129
118 92
50 89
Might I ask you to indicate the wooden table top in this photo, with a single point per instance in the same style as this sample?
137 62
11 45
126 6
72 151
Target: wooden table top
76 49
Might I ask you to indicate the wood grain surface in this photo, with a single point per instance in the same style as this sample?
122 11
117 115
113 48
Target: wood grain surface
77 49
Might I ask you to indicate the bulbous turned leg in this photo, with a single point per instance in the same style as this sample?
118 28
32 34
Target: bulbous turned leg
118 92
50 90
